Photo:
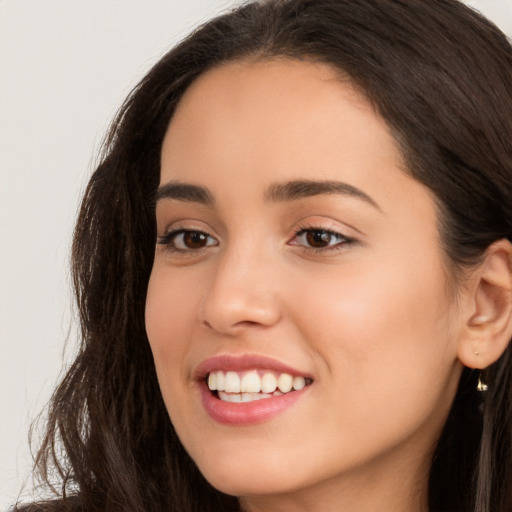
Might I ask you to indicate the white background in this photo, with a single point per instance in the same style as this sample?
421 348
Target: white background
65 67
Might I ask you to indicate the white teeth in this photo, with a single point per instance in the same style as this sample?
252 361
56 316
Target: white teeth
242 397
235 398
220 381
250 383
246 397
253 383
285 382
212 381
232 382
230 397
268 383
298 383
249 397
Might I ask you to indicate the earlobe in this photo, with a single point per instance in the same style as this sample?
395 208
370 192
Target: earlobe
488 324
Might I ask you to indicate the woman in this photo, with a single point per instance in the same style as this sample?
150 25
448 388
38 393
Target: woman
292 265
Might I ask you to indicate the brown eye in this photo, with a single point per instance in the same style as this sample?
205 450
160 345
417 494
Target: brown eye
187 240
318 239
195 239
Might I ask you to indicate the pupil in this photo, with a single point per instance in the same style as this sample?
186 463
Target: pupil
194 240
318 238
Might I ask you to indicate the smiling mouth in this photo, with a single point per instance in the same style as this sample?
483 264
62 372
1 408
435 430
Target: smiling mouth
242 387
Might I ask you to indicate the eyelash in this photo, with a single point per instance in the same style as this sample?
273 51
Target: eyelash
168 239
343 241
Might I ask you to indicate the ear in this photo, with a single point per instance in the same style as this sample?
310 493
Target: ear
487 328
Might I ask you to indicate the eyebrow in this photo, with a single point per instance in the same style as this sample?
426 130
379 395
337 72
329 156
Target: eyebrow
293 190
185 192
279 192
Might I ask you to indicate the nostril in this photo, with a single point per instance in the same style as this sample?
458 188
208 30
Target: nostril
233 328
247 323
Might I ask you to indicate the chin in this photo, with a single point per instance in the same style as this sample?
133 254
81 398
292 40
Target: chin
243 477
251 485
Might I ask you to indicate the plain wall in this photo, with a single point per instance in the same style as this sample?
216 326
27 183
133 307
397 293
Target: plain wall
65 67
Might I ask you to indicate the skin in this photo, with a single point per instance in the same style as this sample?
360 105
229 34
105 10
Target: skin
374 321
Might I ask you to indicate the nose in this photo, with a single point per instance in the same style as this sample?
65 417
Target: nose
242 294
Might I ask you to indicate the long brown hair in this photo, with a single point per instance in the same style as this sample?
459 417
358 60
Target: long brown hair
440 75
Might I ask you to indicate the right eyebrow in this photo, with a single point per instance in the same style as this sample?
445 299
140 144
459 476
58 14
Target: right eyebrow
184 192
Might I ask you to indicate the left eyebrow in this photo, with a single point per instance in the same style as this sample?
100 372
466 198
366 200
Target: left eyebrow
294 190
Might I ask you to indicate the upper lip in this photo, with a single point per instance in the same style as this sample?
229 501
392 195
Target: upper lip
244 363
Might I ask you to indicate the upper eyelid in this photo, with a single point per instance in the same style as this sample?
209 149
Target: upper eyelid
328 225
334 232
186 225
337 220
314 222
179 230
330 218
296 230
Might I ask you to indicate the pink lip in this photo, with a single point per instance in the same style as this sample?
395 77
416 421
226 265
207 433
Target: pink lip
248 413
245 413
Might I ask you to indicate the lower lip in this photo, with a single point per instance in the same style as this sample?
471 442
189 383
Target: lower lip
247 413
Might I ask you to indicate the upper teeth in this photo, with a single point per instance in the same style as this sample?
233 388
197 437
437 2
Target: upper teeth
254 382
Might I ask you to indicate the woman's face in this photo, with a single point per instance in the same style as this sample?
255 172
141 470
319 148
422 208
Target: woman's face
294 251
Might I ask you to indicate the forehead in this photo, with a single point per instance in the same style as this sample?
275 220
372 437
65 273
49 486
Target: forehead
279 114
266 80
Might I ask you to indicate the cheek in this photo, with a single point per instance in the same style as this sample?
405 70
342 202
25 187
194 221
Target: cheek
169 318
171 307
386 339
375 309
